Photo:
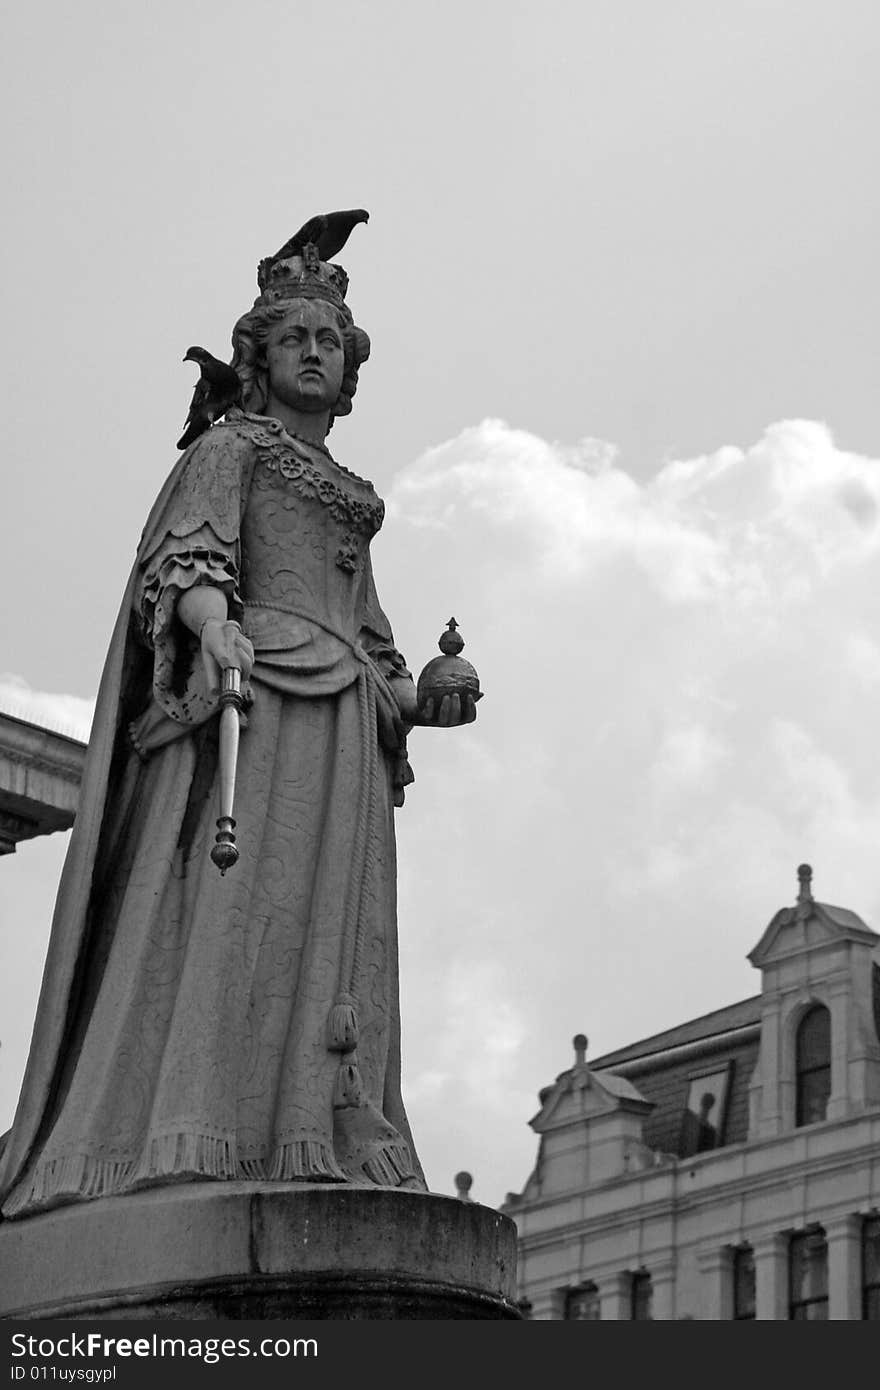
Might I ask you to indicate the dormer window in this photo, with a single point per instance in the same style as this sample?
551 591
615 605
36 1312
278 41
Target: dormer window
816 964
813 1065
702 1125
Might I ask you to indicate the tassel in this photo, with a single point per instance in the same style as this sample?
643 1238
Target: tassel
389 1165
348 1089
342 1025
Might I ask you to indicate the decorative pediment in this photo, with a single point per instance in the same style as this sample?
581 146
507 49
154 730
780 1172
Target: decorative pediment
581 1094
807 926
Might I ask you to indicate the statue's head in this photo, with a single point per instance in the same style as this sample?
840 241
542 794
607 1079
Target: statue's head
298 294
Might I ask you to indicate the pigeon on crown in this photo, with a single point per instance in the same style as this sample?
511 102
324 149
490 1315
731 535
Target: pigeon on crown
302 268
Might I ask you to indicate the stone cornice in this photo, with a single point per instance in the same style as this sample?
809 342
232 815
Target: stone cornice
42 749
40 774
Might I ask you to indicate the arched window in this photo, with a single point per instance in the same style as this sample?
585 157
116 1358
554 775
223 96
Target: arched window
813 1065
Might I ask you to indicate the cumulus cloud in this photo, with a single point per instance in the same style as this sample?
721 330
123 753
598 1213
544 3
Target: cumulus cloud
756 524
688 756
66 714
862 657
570 508
681 678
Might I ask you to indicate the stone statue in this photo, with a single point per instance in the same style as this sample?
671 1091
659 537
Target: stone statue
246 1026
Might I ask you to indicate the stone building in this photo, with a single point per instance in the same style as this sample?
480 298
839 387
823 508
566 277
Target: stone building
728 1168
40 772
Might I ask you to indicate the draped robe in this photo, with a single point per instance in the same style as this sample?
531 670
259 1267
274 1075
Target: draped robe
193 1026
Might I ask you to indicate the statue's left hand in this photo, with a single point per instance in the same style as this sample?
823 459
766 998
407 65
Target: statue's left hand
451 711
446 713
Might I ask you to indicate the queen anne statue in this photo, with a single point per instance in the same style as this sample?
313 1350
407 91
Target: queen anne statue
199 1026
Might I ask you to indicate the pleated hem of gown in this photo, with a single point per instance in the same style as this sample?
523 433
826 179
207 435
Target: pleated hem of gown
183 1157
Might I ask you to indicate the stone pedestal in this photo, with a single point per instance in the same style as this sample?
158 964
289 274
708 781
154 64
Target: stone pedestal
270 1250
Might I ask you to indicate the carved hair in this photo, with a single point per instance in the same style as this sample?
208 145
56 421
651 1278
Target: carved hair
249 337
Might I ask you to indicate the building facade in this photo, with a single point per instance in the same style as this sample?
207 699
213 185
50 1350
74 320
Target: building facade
728 1168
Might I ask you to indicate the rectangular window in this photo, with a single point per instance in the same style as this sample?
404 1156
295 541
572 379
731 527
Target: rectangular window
743 1283
641 1297
582 1304
705 1112
808 1277
871 1269
813 1094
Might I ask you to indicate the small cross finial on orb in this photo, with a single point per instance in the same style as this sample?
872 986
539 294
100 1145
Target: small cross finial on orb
805 883
463 1184
580 1049
451 642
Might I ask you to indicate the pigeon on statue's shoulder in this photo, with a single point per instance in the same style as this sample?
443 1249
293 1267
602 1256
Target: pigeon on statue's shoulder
217 390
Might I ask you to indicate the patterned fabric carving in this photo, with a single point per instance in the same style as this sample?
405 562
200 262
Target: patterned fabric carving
308 480
207 1043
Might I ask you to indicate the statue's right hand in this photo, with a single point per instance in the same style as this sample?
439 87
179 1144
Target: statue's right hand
224 644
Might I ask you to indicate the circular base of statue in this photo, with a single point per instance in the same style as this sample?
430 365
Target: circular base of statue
273 1250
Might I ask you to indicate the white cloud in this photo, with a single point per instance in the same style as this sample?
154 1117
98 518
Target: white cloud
688 756
862 657
680 679
763 524
66 714
571 509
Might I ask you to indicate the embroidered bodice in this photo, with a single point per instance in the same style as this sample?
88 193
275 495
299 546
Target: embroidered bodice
306 531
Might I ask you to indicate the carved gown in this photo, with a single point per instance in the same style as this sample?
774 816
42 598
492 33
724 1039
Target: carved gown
244 1026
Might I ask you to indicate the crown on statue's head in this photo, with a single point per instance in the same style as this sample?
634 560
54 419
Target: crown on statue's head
302 276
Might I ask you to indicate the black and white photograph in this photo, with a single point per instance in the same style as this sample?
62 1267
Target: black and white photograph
440 667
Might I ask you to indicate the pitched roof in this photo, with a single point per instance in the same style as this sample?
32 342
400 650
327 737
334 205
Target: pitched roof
620 1087
844 917
739 1015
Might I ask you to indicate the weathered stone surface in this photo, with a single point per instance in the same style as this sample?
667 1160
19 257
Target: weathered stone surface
211 1122
245 1250
245 1027
40 773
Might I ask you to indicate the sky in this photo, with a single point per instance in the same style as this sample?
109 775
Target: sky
620 281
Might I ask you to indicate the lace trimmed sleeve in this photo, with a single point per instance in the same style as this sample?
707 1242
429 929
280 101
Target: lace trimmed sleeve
195 542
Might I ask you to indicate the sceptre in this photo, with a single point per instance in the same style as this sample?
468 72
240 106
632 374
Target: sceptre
224 852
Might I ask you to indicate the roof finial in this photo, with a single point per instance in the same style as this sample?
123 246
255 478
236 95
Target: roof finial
580 1049
805 883
463 1184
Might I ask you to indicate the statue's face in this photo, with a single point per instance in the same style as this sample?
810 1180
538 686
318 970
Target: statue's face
306 357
